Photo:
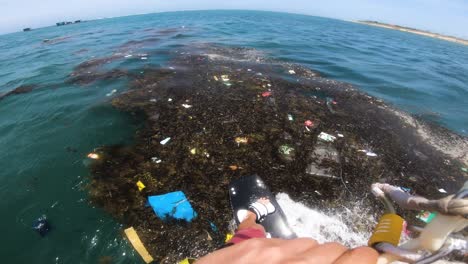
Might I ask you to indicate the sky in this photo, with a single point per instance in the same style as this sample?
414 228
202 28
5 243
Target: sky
441 16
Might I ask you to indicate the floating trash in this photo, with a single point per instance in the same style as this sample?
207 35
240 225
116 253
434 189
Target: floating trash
187 106
93 156
426 216
368 153
140 186
144 58
138 245
215 78
308 123
169 100
193 151
173 205
128 56
225 78
242 140
340 135
164 141
287 152
464 169
229 236
156 160
266 94
111 93
233 167
326 137
292 72
290 117
41 225
153 100
441 190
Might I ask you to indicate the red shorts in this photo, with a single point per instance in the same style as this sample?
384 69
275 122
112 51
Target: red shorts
246 234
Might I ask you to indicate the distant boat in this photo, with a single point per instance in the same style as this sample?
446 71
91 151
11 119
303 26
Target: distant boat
26 29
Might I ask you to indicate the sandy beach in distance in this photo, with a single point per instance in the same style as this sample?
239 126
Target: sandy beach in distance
415 31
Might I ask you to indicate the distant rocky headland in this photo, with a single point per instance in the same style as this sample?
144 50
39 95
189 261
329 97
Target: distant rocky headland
415 31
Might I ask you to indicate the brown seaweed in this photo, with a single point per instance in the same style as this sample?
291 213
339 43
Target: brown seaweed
224 88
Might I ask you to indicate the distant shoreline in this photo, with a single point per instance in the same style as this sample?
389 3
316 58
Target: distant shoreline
415 31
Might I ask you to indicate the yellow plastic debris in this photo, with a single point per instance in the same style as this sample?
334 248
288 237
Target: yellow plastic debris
242 140
138 245
193 151
228 237
140 186
187 261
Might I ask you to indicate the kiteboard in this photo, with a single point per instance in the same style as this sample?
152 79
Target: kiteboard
247 190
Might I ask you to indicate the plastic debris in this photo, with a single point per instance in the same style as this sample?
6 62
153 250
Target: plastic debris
287 152
135 240
407 190
241 140
290 117
187 261
128 56
153 100
229 236
172 205
144 58
266 94
41 225
426 216
368 153
140 186
340 135
186 106
214 227
193 151
292 72
156 160
441 190
233 167
308 123
215 78
326 137
169 100
164 141
225 78
111 93
464 169
331 102
93 155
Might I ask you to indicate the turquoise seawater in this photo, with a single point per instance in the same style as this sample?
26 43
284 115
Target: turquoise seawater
46 134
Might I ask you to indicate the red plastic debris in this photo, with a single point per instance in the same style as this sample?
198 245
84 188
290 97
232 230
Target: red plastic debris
309 123
266 94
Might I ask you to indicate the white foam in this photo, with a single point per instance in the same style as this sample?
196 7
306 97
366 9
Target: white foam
329 226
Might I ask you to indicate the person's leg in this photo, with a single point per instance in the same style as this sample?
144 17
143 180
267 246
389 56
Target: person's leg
250 221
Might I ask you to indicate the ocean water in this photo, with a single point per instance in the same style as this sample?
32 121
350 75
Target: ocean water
46 134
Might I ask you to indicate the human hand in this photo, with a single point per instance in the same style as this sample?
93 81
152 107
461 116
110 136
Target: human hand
279 251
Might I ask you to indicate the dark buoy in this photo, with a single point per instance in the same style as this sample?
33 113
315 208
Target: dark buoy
41 225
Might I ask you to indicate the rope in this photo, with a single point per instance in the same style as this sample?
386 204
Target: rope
450 205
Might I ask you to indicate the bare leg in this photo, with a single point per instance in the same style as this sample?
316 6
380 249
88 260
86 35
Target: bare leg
250 222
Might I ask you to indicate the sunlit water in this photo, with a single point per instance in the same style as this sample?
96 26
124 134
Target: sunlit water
46 134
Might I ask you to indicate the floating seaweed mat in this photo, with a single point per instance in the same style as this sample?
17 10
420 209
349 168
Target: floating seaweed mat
138 245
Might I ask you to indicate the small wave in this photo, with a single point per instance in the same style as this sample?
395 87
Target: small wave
307 222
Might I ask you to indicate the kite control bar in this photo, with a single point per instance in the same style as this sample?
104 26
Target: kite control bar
435 239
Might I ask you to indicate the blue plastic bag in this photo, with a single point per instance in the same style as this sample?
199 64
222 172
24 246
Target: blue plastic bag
173 205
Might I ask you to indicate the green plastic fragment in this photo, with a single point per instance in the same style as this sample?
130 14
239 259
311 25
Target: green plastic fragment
464 169
426 216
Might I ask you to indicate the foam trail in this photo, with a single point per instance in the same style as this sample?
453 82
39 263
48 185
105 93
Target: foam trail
307 222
